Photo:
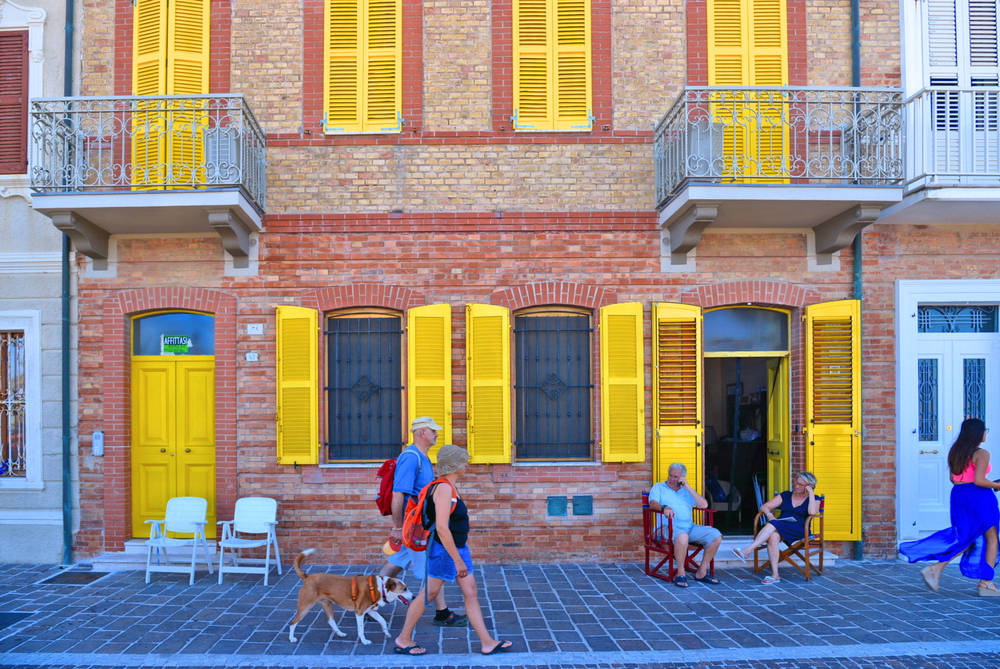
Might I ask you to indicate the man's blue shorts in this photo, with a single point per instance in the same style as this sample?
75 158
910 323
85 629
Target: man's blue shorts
405 558
440 565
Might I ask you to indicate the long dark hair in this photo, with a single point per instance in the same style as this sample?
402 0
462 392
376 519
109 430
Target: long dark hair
969 439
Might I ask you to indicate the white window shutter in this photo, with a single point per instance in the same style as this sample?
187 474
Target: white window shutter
983 33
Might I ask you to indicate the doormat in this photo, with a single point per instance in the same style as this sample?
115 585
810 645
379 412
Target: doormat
8 619
74 578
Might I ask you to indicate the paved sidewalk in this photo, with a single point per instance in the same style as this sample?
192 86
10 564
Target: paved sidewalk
858 615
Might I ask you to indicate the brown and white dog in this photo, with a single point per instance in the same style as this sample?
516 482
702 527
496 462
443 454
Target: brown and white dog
362 594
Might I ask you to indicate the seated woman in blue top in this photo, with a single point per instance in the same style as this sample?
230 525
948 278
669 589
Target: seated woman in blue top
796 505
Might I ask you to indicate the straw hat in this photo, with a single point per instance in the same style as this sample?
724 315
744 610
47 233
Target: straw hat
450 459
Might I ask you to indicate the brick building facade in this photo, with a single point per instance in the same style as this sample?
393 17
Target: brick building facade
457 208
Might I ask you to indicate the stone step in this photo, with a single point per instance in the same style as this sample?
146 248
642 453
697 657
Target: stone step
134 557
726 559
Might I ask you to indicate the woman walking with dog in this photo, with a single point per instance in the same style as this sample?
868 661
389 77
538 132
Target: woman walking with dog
448 556
975 515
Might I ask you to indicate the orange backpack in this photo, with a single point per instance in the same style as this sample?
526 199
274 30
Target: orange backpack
417 528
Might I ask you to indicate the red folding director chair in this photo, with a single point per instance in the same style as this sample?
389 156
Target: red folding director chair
658 539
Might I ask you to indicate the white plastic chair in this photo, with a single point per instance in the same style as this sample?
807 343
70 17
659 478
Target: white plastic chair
185 515
253 515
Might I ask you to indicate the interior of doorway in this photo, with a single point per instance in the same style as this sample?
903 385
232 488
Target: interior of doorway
736 412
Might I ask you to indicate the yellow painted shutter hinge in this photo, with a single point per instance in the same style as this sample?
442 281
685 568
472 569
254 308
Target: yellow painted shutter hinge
590 125
513 119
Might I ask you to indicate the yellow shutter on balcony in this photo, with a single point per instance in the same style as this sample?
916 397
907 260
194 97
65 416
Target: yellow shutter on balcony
149 47
833 412
488 383
428 350
677 390
768 42
298 400
188 47
552 64
623 391
363 59
728 62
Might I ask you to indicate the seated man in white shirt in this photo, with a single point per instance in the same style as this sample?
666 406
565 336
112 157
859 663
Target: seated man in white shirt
676 498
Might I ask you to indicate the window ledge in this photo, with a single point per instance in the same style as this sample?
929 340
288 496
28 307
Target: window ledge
351 465
564 463
362 132
15 485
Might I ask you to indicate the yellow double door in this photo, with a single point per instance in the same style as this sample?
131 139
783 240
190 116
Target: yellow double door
173 436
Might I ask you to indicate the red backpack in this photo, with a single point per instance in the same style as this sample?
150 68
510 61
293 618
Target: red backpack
387 472
417 528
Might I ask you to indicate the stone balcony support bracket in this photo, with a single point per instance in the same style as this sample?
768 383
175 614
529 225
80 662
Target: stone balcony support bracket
235 235
685 232
838 232
90 240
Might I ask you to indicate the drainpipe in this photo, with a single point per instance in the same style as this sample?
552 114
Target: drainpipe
858 277
67 483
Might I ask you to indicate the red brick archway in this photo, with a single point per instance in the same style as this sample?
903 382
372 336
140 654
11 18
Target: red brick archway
773 293
117 403
363 295
554 292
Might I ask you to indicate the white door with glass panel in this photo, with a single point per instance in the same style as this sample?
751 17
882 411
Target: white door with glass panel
957 376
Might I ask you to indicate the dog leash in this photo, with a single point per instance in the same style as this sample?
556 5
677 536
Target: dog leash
371 589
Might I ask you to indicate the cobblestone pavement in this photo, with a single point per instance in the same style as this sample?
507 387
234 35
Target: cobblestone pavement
855 616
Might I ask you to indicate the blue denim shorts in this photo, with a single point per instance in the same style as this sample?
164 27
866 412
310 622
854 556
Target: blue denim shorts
415 560
440 565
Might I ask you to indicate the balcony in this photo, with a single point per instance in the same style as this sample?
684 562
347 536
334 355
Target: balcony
952 158
149 165
828 159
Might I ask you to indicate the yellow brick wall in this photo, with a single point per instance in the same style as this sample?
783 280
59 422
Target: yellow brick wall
97 47
456 54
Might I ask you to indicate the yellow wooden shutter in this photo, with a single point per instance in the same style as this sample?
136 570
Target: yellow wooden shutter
488 384
188 47
149 47
727 49
149 77
342 58
677 393
623 391
382 65
298 400
428 350
833 412
768 42
533 64
572 64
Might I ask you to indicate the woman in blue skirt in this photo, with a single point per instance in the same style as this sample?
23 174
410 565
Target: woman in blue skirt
974 516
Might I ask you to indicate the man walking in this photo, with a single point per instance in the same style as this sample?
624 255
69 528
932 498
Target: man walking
414 470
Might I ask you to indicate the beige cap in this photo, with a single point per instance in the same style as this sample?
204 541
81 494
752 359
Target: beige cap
450 459
424 421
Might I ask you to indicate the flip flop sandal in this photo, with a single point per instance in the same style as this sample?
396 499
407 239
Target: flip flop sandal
739 554
768 580
681 582
988 591
708 580
501 647
408 650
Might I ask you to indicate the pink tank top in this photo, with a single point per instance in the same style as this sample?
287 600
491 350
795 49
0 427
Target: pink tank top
969 475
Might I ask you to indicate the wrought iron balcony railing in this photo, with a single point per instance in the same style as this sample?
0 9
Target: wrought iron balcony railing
953 137
779 136
147 143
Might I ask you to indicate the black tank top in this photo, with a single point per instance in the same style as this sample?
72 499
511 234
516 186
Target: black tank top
458 522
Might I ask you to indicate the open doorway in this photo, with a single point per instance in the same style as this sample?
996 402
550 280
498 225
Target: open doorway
737 408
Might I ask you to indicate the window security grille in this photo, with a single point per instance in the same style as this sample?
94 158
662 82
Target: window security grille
955 319
12 405
364 395
553 387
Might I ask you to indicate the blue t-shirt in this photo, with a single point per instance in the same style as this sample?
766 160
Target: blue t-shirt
681 502
412 473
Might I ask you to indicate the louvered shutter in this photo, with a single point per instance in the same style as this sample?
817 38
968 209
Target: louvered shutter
623 392
728 64
149 47
768 43
532 64
342 56
428 350
382 91
298 398
572 64
677 392
488 384
149 78
188 47
984 72
833 412
14 102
